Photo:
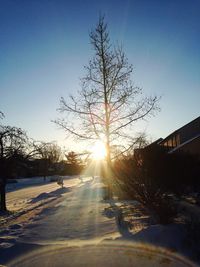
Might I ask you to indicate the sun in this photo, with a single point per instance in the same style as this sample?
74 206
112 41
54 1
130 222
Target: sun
99 151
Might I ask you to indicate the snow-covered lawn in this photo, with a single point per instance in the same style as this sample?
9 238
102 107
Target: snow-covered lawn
21 194
44 214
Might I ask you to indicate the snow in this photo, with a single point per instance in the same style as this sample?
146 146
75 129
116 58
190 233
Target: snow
33 181
45 214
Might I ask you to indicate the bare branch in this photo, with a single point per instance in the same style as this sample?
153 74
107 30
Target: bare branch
64 126
108 103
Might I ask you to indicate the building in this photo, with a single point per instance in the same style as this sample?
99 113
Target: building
186 138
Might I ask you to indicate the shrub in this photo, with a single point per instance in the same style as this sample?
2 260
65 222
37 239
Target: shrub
152 174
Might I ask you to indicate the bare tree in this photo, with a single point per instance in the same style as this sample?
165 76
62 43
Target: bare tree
13 143
1 115
49 153
108 105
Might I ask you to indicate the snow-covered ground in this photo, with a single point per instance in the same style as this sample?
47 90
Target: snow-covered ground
21 194
46 214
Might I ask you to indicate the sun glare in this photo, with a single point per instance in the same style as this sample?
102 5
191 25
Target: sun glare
99 151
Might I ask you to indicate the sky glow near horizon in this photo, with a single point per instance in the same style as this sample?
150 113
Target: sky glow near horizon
44 46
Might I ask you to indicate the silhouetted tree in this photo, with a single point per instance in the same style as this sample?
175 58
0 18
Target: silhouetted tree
1 115
108 104
72 158
13 143
74 162
49 154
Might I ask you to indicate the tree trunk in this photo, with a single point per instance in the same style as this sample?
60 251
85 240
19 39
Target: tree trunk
109 173
3 196
107 119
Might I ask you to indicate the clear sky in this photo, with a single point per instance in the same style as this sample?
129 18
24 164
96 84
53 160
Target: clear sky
44 45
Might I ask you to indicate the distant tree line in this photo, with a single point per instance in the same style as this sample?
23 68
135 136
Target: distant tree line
21 156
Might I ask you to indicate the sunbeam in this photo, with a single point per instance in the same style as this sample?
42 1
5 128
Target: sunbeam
98 151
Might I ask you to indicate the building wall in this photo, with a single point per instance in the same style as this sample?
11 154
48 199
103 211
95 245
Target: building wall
183 134
192 147
190 130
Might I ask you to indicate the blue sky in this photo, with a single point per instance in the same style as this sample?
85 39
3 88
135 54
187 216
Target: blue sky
45 44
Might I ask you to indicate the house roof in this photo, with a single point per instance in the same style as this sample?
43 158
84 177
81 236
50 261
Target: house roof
185 143
175 132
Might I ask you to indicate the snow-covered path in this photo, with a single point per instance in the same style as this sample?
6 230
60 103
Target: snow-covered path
20 197
50 215
79 215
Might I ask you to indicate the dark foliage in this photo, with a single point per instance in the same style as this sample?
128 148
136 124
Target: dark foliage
74 164
152 174
12 156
